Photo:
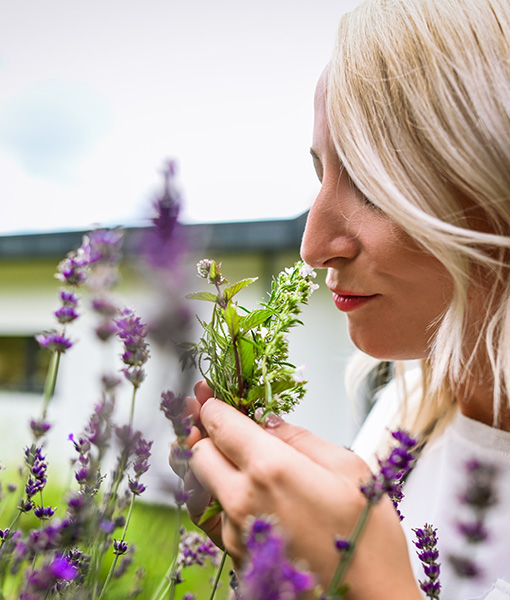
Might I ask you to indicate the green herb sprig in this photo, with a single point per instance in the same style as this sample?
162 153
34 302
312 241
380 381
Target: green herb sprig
243 355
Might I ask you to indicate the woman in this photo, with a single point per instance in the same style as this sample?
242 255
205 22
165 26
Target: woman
412 147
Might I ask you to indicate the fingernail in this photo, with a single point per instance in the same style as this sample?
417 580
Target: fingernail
270 421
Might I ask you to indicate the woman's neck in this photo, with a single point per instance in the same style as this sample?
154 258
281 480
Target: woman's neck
476 402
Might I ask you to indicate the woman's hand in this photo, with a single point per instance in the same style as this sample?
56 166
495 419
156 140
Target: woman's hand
310 486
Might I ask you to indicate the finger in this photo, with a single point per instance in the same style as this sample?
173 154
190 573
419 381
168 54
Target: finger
321 451
197 500
213 470
192 408
202 392
236 436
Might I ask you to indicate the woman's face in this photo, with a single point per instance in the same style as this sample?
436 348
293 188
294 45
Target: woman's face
391 290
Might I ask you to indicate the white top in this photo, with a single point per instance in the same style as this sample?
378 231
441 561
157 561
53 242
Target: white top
431 496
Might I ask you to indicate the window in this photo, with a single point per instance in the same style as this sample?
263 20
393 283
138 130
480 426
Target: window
23 364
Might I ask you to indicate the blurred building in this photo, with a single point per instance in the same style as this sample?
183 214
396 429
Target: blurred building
29 296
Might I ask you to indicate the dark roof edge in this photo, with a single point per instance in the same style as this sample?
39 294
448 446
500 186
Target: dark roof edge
243 236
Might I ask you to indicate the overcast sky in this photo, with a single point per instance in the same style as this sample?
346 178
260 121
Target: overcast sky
96 95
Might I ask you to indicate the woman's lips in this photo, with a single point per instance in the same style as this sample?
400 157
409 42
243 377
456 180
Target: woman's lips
347 301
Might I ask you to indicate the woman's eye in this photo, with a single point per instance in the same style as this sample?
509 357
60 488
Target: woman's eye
363 199
317 165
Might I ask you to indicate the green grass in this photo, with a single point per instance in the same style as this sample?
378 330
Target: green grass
152 534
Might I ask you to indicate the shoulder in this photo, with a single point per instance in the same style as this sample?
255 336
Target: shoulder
385 416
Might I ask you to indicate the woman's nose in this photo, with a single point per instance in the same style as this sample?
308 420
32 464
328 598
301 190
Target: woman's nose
327 235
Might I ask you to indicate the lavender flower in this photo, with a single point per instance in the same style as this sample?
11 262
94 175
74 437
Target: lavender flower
36 463
173 407
72 270
133 332
478 497
45 579
268 574
105 246
162 244
39 428
142 454
119 547
194 549
44 513
54 341
392 472
426 544
66 314
342 544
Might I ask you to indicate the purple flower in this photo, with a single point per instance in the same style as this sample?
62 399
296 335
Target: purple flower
142 454
478 497
342 545
54 342
106 526
104 307
66 314
194 549
480 493
181 496
173 407
135 376
136 487
426 544
464 566
72 270
119 547
39 428
105 245
133 332
44 513
60 569
268 575
68 299
473 532
392 472
162 244
35 461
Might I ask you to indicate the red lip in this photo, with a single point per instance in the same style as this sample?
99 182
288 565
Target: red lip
348 301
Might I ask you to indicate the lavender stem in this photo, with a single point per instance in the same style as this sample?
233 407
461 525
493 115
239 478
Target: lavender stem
218 575
50 383
348 554
116 557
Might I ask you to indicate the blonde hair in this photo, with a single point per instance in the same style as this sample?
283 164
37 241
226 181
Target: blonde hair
418 104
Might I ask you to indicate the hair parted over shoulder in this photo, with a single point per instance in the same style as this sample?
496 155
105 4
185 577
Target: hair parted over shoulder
418 104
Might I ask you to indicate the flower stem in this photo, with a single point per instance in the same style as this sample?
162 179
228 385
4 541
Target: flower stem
132 413
218 575
347 555
116 557
49 384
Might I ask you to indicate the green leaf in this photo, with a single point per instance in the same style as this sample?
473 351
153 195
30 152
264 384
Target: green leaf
213 509
232 290
247 358
256 392
255 318
232 319
202 296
